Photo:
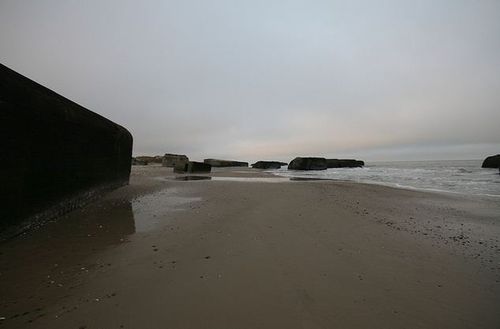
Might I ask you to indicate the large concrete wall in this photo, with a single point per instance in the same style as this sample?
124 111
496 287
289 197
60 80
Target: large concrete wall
53 150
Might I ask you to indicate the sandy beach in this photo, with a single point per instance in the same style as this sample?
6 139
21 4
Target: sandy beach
257 251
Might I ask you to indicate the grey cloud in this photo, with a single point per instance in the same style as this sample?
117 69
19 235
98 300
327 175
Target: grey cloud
272 79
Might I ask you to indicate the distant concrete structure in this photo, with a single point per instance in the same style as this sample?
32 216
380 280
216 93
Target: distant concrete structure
192 167
147 159
344 163
268 164
55 153
492 162
308 163
225 163
171 160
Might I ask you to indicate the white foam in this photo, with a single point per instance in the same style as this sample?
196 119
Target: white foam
462 177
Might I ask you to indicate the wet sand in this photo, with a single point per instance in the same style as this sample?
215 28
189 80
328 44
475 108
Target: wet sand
257 253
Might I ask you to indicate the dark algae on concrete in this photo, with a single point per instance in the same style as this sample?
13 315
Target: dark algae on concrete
55 153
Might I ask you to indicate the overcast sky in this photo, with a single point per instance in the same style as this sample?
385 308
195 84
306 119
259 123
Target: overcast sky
250 80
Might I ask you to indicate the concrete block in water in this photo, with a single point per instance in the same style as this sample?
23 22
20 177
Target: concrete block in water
268 164
55 153
225 163
170 160
192 167
307 163
492 162
344 163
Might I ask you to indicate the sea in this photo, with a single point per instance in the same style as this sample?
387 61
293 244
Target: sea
453 176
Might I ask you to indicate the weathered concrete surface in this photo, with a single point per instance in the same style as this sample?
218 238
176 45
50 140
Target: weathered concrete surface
268 164
55 153
192 167
492 161
307 163
344 163
225 163
170 160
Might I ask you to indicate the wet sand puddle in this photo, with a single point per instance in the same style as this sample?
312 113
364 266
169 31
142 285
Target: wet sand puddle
47 266
149 209
250 179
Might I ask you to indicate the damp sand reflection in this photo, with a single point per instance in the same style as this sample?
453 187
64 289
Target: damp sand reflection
51 263
151 210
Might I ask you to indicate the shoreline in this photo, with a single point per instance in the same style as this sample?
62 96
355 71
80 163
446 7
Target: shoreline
292 254
265 172
411 188
460 177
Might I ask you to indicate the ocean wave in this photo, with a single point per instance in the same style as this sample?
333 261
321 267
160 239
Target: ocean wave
460 177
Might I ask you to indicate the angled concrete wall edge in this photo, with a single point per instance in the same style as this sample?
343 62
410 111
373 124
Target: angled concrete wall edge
54 151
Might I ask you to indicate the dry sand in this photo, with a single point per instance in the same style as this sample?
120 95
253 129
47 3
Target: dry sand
162 253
